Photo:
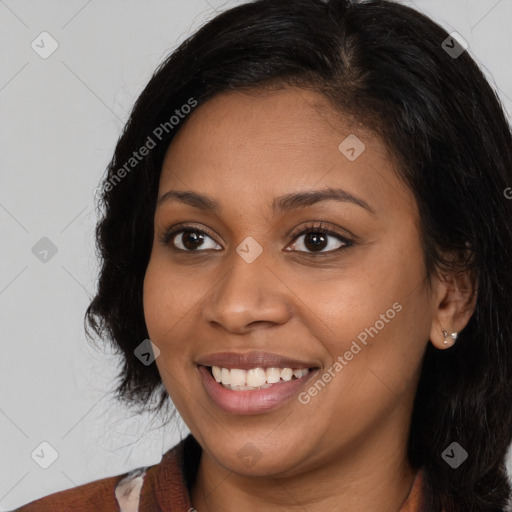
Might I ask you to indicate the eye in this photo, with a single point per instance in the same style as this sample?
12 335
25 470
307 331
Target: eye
189 239
316 239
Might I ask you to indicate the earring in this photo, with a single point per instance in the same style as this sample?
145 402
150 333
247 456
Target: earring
453 335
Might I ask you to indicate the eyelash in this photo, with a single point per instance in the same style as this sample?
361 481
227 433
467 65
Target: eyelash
320 228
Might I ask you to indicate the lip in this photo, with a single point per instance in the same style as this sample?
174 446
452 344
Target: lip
252 402
246 361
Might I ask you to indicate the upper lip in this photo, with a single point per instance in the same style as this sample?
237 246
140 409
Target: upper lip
248 360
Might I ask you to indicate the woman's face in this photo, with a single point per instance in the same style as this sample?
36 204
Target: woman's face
246 288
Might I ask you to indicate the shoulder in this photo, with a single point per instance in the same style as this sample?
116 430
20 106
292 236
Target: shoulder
144 488
106 495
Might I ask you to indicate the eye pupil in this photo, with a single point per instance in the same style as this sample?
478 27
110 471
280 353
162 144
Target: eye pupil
318 240
192 239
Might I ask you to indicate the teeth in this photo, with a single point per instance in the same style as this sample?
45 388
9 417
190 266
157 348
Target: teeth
238 377
217 373
273 375
255 378
286 374
225 376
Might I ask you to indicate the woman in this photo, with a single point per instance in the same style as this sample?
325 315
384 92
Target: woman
307 215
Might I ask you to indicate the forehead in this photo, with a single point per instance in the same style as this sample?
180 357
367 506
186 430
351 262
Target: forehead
246 146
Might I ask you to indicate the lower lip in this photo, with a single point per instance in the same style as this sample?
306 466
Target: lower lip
251 402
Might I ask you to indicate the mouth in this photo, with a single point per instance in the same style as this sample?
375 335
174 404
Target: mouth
238 379
253 389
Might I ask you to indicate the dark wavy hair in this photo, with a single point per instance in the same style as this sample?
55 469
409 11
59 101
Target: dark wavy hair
384 65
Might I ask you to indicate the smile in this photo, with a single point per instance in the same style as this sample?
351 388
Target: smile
237 379
259 394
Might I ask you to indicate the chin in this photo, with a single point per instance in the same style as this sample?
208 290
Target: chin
259 458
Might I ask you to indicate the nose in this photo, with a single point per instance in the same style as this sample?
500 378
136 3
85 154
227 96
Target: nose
248 296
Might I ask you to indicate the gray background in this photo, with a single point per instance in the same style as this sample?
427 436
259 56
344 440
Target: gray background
60 119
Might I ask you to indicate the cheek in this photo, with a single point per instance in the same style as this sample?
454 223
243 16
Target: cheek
165 311
378 317
172 299
386 296
169 297
375 357
157 297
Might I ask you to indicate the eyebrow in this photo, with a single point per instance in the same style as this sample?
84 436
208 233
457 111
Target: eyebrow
280 204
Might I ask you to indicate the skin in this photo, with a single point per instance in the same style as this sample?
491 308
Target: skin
348 444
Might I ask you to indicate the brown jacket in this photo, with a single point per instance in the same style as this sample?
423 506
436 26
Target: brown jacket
159 488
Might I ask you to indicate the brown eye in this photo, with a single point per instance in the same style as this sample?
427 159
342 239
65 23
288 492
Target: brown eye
189 240
316 240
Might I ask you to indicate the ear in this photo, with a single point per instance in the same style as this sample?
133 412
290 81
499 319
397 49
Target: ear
453 300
